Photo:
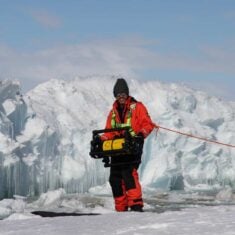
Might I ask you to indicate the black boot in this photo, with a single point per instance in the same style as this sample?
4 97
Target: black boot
138 208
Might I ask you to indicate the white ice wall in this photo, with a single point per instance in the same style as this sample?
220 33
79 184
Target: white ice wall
50 148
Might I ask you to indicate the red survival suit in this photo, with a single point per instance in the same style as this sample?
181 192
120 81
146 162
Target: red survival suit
124 178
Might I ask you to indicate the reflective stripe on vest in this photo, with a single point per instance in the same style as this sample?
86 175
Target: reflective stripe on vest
114 124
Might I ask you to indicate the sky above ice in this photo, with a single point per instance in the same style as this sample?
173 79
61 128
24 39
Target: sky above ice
184 41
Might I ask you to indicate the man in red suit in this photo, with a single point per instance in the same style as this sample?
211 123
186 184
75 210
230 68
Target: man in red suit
124 179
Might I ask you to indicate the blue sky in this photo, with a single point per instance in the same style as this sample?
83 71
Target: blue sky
183 41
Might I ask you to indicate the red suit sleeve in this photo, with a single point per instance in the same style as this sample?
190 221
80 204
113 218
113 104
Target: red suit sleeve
142 122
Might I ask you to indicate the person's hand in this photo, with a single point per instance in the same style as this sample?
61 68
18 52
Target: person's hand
139 137
97 139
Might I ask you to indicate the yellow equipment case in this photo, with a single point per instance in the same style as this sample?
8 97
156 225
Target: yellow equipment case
123 144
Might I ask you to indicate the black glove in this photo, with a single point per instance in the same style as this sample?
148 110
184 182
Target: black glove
96 143
140 137
138 144
97 139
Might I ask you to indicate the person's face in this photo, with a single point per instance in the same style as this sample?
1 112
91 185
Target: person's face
121 98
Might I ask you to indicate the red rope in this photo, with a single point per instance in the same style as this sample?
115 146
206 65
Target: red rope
193 136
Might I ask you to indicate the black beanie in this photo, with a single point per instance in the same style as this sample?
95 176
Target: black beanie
120 87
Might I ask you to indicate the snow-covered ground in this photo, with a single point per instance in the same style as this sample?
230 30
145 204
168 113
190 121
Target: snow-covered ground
203 221
165 213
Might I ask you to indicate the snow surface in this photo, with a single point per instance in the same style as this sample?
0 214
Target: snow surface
204 220
196 219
